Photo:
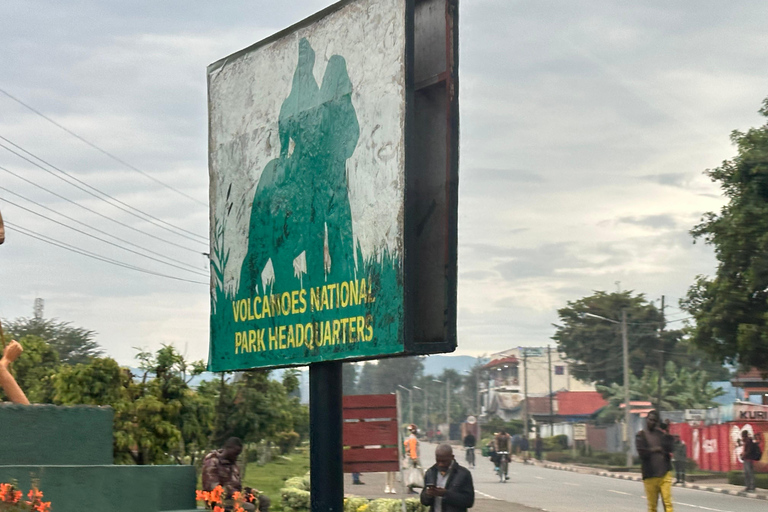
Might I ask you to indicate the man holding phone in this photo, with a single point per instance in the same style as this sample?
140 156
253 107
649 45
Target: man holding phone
448 487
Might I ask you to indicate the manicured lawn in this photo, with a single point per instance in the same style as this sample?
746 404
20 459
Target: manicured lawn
270 477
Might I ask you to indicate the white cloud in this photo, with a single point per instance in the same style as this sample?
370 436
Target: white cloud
585 128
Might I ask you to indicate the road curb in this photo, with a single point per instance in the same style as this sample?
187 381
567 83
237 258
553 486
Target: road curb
621 476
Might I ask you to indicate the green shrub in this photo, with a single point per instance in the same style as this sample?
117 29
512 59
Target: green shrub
298 482
295 494
286 441
561 457
353 503
294 500
737 478
555 443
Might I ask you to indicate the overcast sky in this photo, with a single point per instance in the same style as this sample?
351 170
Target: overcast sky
585 129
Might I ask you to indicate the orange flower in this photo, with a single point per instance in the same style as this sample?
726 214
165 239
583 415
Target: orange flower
34 494
16 496
201 496
43 506
215 494
218 509
5 490
238 508
237 496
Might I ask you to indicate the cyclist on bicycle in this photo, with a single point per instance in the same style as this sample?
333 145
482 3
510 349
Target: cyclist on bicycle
469 445
503 443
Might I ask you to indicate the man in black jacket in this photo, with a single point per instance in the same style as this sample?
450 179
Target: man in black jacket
654 446
448 487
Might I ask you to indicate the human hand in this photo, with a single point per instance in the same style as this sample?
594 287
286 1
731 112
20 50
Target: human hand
12 351
435 492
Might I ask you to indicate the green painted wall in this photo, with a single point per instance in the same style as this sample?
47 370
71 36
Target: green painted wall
53 435
109 488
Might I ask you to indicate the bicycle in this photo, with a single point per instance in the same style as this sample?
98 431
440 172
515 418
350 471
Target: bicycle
503 465
470 455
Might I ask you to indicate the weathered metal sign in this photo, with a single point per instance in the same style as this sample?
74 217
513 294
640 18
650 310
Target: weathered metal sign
322 235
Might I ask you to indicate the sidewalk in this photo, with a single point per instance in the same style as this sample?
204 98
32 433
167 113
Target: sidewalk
374 488
719 486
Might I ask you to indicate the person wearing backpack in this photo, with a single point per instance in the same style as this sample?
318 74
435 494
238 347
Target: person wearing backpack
750 454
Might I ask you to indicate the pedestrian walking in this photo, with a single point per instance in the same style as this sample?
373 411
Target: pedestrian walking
680 454
413 470
538 446
655 446
448 487
524 447
751 452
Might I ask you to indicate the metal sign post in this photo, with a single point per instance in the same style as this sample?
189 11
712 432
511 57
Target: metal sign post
325 443
333 161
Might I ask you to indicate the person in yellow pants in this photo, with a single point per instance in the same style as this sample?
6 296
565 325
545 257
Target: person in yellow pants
654 446
659 485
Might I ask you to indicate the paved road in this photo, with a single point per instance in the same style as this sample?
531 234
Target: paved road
563 491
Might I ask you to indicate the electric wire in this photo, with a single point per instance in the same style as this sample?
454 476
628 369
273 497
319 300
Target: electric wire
97 229
102 240
98 213
99 149
28 232
125 207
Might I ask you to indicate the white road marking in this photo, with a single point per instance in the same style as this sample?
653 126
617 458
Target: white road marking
620 492
487 495
699 507
569 483
539 477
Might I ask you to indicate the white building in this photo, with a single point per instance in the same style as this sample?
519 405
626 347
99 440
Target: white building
504 386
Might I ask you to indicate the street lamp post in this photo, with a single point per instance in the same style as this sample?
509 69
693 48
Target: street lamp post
447 404
424 392
625 350
410 403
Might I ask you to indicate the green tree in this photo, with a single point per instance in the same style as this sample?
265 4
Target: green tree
252 407
72 344
595 346
731 309
681 388
99 382
36 369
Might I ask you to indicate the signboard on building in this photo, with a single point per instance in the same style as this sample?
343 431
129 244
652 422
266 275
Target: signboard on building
695 414
333 203
579 431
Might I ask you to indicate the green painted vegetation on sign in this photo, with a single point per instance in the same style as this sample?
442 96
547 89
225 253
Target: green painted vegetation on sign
342 304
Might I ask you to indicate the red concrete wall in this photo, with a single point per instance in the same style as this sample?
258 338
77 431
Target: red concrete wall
718 447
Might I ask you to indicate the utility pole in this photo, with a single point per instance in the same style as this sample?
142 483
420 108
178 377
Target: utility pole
525 393
627 416
661 356
448 405
551 409
477 389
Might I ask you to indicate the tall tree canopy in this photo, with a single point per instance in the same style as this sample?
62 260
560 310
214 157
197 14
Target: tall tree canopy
731 309
681 388
73 344
595 347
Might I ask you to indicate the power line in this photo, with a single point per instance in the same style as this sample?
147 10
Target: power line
202 240
103 151
102 240
98 213
97 229
83 252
